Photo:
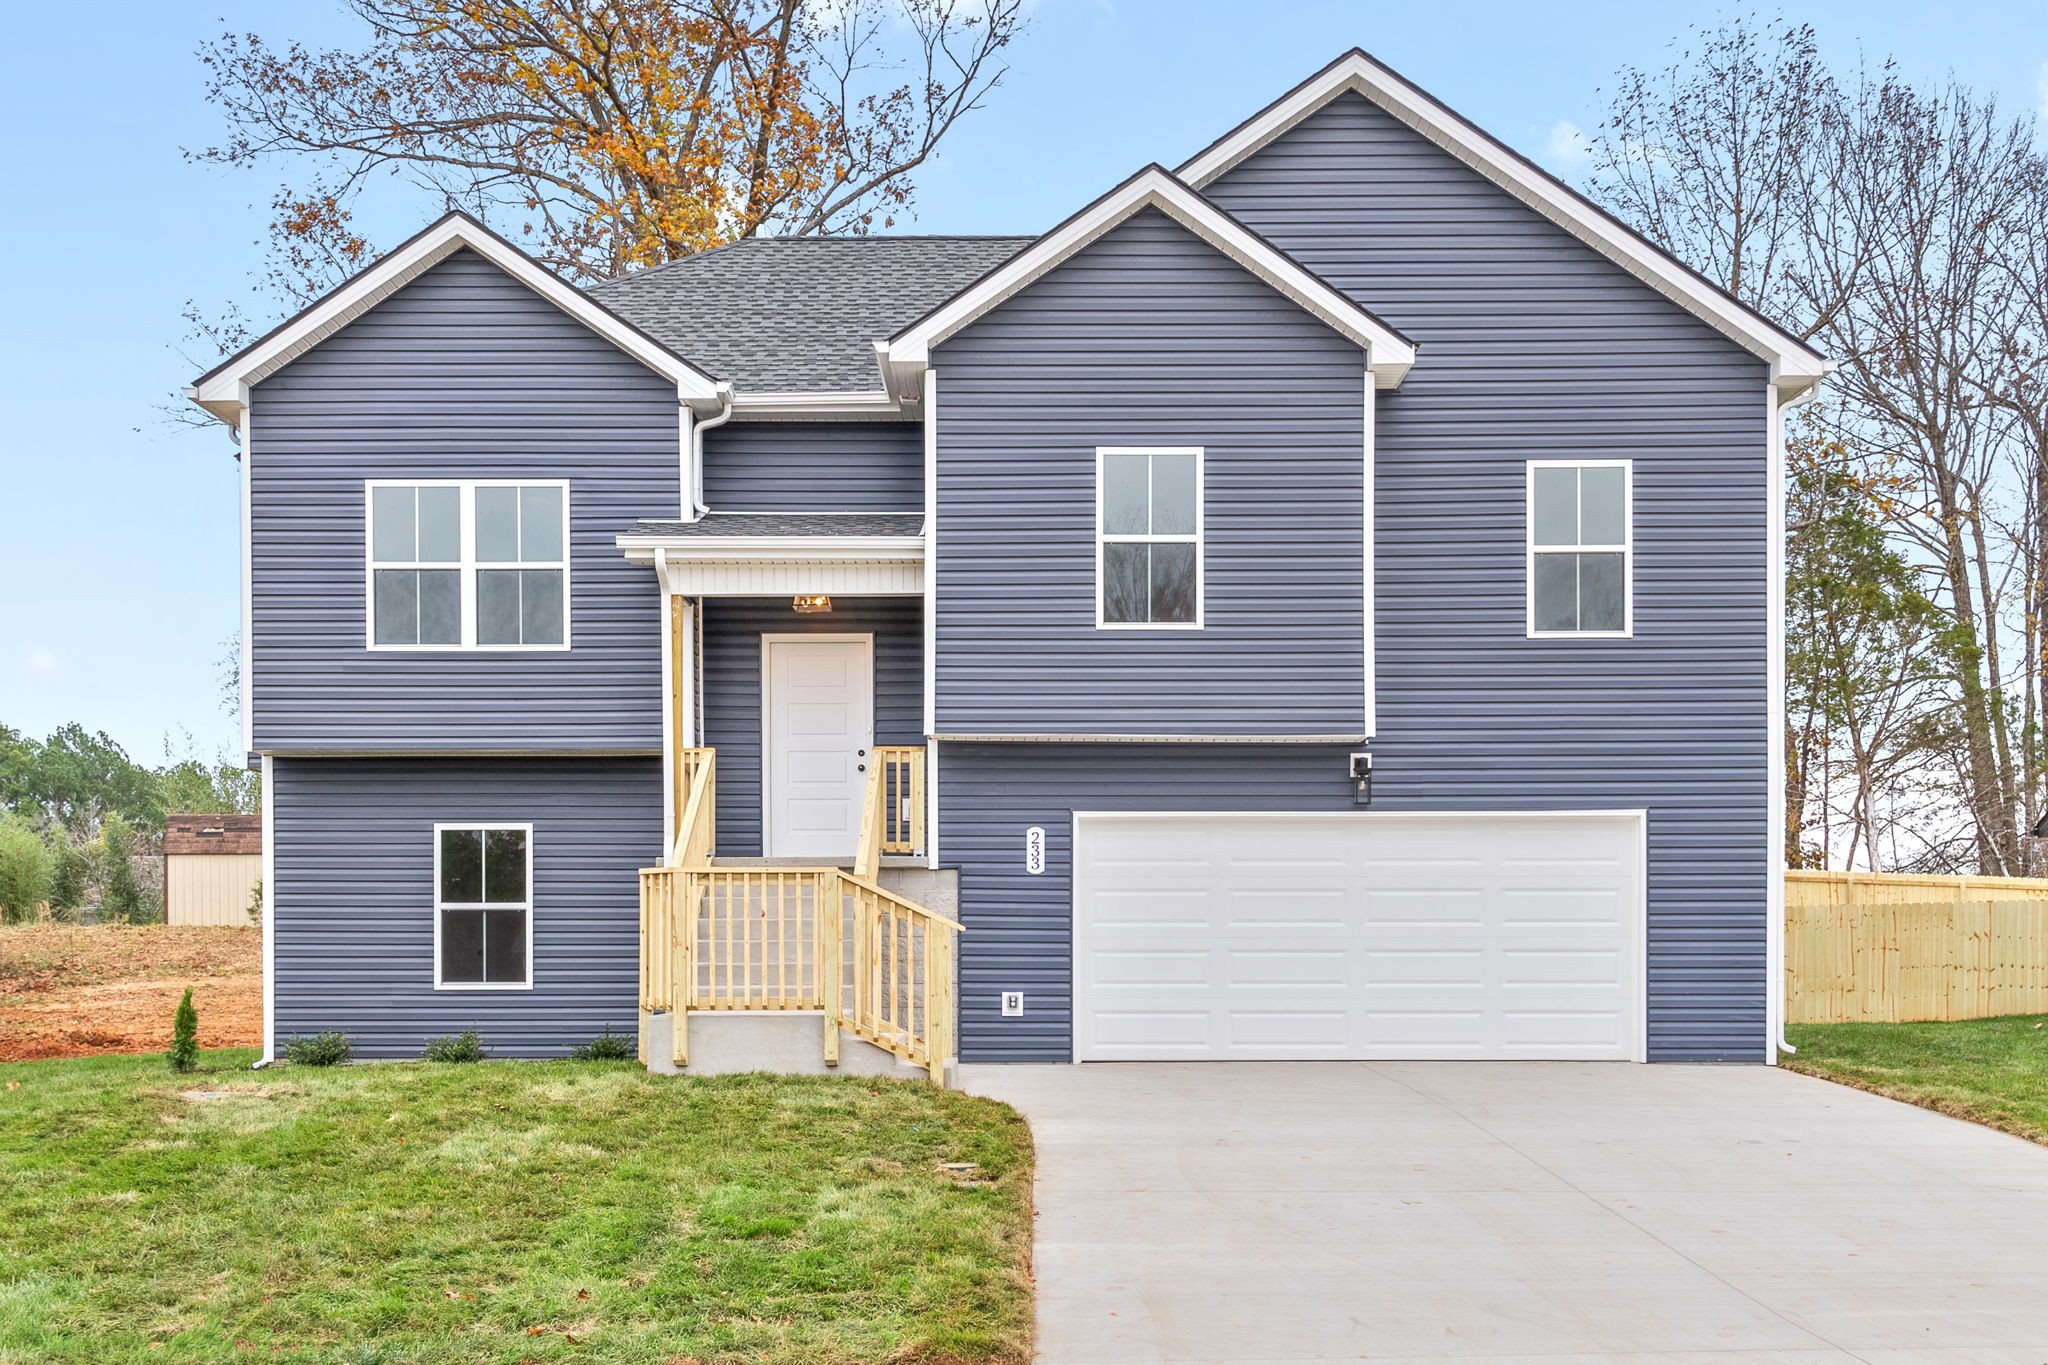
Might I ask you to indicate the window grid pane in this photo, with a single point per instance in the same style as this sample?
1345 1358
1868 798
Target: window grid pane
393 538
1125 497
540 525
1173 583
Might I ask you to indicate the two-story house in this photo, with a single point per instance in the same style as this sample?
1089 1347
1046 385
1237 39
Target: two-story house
1318 602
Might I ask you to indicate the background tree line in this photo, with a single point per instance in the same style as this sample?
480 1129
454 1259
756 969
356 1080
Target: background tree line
81 823
1903 230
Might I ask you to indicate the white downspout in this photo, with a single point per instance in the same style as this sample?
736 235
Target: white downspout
697 430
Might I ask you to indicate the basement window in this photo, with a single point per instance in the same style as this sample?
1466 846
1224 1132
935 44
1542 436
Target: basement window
483 907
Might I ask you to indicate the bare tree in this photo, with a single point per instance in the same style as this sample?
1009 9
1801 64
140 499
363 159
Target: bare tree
1902 231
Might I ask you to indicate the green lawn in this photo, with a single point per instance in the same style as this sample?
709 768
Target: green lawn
1992 1071
503 1212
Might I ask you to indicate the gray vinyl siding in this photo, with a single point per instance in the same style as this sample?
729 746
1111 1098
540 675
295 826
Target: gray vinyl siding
1019 926
1150 337
1532 346
814 467
733 627
462 374
354 896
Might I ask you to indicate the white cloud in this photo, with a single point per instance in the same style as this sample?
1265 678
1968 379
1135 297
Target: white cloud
42 662
1567 145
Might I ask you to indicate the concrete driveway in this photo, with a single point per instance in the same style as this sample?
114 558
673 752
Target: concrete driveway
1551 1212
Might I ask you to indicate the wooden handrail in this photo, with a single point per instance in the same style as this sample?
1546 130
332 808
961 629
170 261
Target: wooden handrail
802 938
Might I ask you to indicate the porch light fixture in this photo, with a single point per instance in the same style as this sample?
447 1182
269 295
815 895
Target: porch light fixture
1361 778
809 604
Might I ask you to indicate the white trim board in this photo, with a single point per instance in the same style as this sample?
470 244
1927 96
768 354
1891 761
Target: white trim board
1077 737
1388 354
1795 366
223 390
1637 819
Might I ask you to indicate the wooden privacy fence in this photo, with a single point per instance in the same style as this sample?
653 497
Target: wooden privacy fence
1883 948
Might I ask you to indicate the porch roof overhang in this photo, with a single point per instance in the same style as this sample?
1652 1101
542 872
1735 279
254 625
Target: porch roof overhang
763 554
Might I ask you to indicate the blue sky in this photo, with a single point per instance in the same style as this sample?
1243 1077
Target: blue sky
118 535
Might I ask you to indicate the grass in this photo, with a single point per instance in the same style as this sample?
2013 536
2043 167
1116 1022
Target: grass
504 1212
1991 1071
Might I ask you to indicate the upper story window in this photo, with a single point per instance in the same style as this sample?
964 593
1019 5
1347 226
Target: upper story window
1581 547
1148 519
483 906
469 565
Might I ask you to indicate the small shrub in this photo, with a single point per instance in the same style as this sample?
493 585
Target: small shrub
466 1046
322 1049
184 1053
607 1047
255 906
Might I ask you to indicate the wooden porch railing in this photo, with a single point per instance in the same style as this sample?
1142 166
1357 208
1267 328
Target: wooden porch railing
901 772
802 938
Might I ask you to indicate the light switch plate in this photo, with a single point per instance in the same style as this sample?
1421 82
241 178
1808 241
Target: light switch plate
1013 1004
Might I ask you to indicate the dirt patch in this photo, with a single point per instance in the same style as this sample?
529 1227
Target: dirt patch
74 992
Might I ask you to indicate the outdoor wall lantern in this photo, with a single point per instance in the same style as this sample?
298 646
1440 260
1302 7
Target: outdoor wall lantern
810 604
1361 777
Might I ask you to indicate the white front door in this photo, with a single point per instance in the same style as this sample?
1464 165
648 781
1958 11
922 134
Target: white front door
1360 935
817 718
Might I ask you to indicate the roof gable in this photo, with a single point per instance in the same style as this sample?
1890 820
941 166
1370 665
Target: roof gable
1795 366
1389 354
223 391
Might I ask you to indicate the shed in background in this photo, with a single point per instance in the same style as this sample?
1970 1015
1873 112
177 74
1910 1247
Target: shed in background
212 866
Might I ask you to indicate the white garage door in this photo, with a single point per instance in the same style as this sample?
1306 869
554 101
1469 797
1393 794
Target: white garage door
1357 935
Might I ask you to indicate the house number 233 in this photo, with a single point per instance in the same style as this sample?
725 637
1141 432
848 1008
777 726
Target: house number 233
1034 850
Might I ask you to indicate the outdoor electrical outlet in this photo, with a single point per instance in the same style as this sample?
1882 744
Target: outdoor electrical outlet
1013 1004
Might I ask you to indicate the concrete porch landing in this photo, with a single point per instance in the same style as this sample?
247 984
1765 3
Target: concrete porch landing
1558 1213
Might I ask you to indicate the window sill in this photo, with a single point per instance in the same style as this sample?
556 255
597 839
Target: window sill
483 985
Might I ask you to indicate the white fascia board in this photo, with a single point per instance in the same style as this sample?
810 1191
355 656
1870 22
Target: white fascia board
781 549
1795 366
1388 354
220 392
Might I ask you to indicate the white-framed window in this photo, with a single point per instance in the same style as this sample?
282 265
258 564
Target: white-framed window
1148 538
466 565
1581 548
483 907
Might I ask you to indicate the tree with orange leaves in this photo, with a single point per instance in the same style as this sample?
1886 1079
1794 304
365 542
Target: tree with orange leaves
608 134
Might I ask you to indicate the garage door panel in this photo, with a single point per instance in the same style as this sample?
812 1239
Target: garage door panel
1424 967
1251 968
1286 907
1437 936
1156 967
1556 967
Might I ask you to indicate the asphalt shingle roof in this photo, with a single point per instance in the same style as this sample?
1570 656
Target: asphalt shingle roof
799 314
716 524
